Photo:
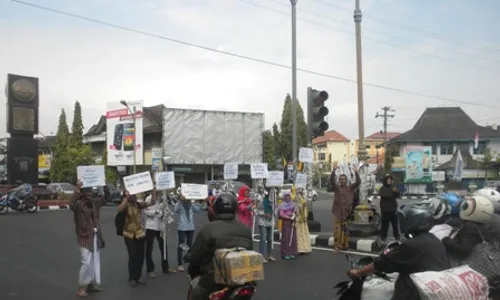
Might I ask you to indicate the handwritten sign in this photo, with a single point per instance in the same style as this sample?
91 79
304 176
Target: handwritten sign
300 181
258 171
194 191
275 179
165 180
91 176
230 171
138 183
306 155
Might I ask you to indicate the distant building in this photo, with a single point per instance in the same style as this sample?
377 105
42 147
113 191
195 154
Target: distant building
331 147
374 145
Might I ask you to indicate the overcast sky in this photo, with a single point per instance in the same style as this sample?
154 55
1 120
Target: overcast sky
421 46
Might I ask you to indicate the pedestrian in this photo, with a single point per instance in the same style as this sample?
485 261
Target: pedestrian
134 234
153 224
89 238
185 210
303 238
245 207
287 213
342 206
388 207
265 211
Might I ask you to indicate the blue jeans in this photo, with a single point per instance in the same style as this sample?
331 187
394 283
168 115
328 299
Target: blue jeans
266 237
183 237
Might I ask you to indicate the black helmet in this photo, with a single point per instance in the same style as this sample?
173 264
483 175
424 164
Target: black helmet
225 203
415 218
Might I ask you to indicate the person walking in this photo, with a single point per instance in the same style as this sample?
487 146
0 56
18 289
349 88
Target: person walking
134 234
89 238
342 206
185 211
388 208
153 224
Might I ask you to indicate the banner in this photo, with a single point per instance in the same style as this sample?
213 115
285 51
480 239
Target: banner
123 135
459 167
44 161
418 164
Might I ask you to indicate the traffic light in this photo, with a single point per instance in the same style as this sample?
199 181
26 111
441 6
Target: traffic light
316 112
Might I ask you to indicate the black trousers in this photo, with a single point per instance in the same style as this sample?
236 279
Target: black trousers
389 218
151 235
135 249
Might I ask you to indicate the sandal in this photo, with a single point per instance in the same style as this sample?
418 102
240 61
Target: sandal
82 292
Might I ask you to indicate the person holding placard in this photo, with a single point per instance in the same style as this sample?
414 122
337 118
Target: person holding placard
89 237
265 211
303 238
185 210
134 234
288 232
245 207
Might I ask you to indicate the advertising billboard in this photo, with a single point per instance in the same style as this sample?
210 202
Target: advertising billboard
418 164
124 133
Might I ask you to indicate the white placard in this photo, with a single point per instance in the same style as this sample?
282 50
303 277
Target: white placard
259 171
138 183
165 180
275 179
91 176
192 191
306 155
230 171
300 181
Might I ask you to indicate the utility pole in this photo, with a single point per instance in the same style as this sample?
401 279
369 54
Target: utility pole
294 85
359 72
386 116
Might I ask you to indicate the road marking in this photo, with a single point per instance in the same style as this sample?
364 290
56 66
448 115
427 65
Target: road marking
331 250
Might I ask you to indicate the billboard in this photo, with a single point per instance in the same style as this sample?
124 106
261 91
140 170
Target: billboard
44 161
418 164
124 137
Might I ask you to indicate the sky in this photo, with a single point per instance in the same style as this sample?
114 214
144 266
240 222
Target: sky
451 53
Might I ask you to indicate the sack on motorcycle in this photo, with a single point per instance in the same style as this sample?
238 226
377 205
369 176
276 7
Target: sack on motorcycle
458 283
485 258
237 267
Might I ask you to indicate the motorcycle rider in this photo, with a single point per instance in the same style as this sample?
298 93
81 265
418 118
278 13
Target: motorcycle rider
388 207
421 252
224 232
17 194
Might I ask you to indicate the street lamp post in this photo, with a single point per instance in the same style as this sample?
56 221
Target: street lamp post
294 85
124 103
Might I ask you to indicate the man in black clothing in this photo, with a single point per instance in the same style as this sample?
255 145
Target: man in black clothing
388 207
224 232
421 252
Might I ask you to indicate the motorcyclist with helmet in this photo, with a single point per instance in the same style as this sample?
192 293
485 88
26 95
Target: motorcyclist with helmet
224 232
17 194
420 252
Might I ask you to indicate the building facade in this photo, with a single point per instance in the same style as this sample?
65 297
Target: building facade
374 144
331 147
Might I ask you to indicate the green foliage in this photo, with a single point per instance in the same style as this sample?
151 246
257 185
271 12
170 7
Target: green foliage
110 172
277 141
390 153
76 139
286 126
269 156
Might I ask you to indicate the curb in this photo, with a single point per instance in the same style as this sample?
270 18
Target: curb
53 207
422 197
325 240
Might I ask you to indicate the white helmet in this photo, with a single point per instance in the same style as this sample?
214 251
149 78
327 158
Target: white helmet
490 194
477 209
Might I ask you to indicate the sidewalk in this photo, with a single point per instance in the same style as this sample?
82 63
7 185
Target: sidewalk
325 240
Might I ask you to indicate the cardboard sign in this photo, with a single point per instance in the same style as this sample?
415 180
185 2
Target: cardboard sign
138 183
275 179
300 181
165 180
91 176
230 171
259 171
306 155
194 191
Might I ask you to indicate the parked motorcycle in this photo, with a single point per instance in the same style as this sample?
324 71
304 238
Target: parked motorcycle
24 200
243 292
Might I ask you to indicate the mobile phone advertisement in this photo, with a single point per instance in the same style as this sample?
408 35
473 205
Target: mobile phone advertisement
124 133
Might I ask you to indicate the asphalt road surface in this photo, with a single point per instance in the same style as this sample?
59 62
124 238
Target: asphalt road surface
40 260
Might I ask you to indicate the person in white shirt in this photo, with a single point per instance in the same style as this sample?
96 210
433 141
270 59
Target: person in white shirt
153 226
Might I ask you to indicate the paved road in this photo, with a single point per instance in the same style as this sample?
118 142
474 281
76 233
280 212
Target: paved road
40 260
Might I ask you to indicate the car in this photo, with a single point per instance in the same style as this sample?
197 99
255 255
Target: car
288 186
61 188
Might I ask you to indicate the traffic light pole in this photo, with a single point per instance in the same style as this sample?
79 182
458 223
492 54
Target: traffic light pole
294 85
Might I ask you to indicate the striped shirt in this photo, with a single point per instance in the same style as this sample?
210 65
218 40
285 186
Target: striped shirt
86 217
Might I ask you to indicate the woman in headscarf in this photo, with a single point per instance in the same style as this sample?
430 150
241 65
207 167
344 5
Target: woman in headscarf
245 207
288 231
303 239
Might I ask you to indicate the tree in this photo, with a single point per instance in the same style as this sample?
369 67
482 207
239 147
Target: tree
110 172
59 167
390 153
269 155
277 141
286 126
302 131
76 139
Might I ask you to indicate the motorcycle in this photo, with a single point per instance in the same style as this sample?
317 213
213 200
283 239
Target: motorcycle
243 292
28 201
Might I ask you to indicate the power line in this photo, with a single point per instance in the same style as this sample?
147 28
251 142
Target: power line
373 31
232 54
416 30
